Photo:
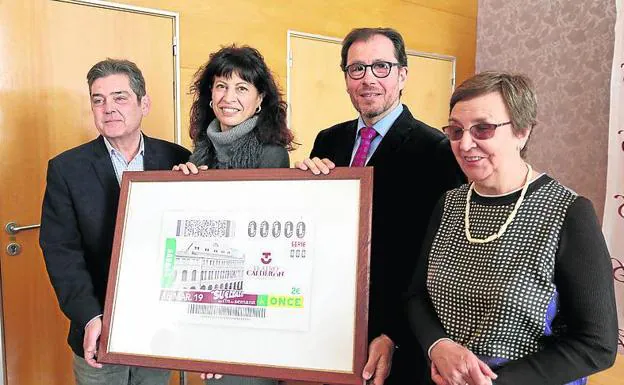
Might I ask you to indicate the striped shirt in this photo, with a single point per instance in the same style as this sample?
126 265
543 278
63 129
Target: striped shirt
119 162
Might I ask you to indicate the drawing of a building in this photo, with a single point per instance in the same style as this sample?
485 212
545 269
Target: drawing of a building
208 266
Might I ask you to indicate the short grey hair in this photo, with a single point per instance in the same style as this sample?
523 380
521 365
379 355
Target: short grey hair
517 91
110 66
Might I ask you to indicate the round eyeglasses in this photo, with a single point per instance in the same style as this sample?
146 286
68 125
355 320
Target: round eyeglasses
381 69
481 131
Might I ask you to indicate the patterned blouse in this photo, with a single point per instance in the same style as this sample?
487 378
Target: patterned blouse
533 304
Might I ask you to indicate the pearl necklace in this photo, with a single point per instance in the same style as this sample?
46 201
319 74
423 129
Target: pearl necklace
511 217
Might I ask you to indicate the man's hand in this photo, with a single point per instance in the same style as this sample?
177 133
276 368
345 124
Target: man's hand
453 364
316 165
89 344
189 168
377 368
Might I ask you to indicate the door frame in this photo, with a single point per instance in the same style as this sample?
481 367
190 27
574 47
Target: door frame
175 17
291 34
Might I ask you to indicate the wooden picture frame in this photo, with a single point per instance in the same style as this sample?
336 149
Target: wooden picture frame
260 273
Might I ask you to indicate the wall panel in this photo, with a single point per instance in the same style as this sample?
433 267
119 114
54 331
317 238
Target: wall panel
567 49
445 27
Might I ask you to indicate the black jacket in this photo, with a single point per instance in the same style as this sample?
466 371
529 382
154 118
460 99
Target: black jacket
413 167
78 224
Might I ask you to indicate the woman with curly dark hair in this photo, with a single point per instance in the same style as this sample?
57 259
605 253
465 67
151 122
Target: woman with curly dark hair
238 116
238 120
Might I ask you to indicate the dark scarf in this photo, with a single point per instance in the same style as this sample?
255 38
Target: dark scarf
237 147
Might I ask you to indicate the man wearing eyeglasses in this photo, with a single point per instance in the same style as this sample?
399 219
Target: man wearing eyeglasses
413 167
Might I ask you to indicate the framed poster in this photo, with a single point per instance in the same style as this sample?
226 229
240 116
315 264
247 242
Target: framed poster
259 273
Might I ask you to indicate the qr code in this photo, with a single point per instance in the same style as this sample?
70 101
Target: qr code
205 228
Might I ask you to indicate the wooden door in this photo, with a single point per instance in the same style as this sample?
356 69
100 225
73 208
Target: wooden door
429 88
47 48
317 91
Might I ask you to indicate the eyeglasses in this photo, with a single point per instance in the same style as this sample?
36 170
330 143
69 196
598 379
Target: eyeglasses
481 131
380 69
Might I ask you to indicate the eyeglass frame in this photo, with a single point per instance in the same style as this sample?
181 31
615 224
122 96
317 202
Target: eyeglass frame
345 69
493 128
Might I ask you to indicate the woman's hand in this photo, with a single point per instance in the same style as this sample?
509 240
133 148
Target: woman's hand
189 168
453 364
436 377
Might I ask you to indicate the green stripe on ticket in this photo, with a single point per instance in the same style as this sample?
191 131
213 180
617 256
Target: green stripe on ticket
168 263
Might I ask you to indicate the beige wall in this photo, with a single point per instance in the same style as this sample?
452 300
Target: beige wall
567 48
437 26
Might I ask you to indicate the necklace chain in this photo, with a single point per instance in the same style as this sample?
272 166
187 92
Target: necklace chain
511 217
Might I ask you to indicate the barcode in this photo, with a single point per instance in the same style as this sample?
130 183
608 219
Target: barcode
205 228
220 311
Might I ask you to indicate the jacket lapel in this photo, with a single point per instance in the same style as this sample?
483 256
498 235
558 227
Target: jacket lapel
395 137
104 167
346 141
151 160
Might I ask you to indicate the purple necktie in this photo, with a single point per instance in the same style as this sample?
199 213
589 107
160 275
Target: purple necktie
366 137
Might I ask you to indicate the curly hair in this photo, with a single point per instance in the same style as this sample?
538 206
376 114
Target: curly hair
249 65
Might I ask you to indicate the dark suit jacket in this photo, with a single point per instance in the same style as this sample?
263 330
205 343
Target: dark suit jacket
413 167
78 223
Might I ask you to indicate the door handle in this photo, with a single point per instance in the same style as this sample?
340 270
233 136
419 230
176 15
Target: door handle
12 228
